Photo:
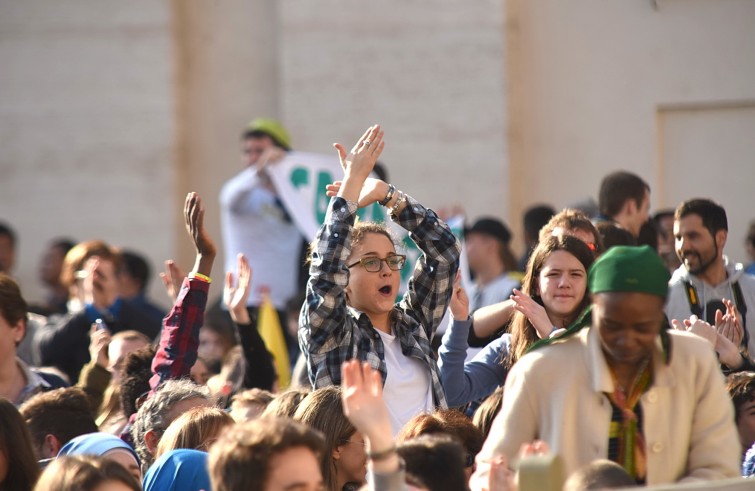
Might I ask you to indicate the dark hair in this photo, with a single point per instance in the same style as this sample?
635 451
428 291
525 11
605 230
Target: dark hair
16 448
435 462
444 422
612 234
84 473
741 387
137 370
618 187
649 235
751 234
523 333
136 266
712 214
13 307
570 220
535 218
253 134
7 231
487 411
241 457
64 413
63 244
322 410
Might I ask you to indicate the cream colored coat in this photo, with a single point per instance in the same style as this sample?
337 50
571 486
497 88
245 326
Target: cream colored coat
556 394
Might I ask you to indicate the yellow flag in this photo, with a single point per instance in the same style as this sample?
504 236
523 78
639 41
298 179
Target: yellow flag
269 327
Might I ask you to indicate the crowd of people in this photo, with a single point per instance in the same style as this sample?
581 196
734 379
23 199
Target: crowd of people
618 346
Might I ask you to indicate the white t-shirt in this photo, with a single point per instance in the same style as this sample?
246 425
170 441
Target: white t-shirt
255 224
408 388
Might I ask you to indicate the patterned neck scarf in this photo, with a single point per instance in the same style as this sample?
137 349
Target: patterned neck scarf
626 432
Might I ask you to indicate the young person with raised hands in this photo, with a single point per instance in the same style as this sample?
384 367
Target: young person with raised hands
350 310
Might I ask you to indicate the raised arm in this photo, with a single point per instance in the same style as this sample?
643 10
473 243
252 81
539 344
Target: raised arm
179 339
465 382
259 369
430 286
364 406
322 321
489 319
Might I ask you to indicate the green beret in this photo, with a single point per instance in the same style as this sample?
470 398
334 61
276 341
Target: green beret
273 129
629 269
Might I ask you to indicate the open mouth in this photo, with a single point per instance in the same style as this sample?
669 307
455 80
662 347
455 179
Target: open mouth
386 290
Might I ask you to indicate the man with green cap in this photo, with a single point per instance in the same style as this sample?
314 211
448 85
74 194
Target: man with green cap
255 222
623 387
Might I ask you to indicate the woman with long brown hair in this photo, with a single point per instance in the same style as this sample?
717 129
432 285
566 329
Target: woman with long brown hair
553 294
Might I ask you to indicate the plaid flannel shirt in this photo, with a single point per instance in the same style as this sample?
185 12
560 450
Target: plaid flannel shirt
179 338
331 333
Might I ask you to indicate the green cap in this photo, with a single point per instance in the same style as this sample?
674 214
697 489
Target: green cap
629 269
273 129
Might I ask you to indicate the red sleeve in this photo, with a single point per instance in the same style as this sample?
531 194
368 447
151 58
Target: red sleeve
179 338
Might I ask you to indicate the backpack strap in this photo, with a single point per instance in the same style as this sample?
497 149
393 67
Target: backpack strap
693 300
739 301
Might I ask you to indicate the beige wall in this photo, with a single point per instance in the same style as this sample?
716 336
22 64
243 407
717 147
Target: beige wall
598 86
110 112
86 126
431 72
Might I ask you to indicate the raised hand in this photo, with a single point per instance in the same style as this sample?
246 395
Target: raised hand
534 312
459 301
359 162
364 406
373 190
100 283
99 339
203 244
729 325
699 327
236 295
172 278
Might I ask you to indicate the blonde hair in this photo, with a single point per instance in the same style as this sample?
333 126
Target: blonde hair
195 429
84 473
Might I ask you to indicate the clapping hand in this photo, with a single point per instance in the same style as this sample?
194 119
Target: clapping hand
699 327
729 325
357 165
235 296
172 278
459 300
534 312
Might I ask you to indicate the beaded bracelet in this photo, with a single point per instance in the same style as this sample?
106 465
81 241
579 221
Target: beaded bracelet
399 200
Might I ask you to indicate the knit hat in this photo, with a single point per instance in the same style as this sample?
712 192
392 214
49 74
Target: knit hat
629 269
271 128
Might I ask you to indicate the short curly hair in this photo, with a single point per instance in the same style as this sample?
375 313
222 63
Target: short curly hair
153 415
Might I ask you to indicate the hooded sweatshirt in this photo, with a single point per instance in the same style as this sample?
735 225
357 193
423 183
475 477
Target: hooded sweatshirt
678 305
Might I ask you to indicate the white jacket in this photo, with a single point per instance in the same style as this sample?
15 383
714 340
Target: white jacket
557 394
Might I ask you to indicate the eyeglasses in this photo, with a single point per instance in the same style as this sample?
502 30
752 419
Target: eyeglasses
374 264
